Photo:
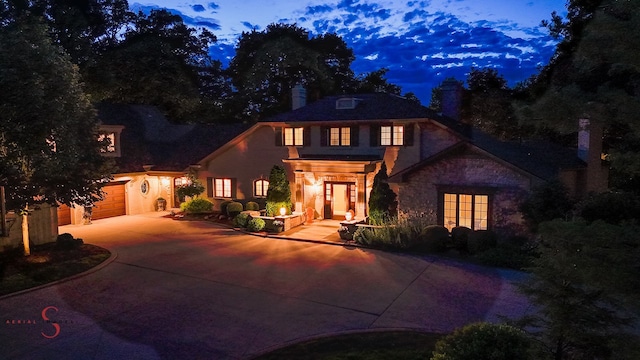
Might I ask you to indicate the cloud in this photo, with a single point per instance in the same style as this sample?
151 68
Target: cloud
250 26
213 6
197 8
198 21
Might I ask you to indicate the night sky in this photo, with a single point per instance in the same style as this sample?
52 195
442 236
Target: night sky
420 42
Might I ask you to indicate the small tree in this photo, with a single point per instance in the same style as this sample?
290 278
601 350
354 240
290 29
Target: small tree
546 202
382 200
279 192
192 188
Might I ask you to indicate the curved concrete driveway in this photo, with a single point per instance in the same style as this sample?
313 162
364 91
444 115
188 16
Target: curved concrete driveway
192 290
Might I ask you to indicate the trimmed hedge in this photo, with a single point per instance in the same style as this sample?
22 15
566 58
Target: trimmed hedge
434 238
480 241
460 237
255 225
252 205
234 208
242 220
197 205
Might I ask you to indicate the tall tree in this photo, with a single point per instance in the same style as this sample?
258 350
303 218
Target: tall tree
269 63
596 74
382 200
48 135
375 82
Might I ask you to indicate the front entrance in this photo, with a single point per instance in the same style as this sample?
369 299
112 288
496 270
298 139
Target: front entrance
339 197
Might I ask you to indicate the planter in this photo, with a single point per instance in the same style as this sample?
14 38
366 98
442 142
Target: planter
161 204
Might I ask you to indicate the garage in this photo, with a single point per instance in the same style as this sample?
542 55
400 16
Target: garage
64 215
113 203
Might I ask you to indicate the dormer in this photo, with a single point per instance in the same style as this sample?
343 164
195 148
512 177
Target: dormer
111 133
347 103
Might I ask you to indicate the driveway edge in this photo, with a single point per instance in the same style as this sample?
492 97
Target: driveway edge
96 268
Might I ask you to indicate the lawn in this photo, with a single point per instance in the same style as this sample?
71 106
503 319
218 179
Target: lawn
390 345
46 264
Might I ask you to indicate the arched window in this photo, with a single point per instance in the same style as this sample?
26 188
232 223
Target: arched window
260 188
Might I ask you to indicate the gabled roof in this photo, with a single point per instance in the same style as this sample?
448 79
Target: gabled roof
149 138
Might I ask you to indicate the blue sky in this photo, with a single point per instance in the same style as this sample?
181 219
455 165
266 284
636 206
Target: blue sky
420 42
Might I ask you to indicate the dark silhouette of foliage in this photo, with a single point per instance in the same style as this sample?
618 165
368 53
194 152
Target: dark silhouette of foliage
382 200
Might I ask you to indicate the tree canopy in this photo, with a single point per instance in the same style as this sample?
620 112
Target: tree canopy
49 144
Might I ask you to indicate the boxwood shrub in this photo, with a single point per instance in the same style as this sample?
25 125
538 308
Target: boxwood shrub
242 220
234 208
255 225
252 205
433 238
197 205
460 237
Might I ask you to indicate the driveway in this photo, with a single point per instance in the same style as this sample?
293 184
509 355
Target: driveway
194 290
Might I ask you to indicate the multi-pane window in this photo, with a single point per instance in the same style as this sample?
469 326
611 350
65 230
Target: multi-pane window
466 210
293 136
111 138
260 188
392 135
340 136
222 188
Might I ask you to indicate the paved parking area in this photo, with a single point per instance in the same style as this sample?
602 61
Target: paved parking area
194 290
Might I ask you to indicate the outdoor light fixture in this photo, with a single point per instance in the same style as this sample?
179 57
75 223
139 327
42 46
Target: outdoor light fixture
283 211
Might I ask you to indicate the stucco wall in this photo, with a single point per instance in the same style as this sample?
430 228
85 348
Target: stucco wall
249 160
419 195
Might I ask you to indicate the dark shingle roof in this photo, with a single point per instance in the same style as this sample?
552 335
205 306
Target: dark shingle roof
150 139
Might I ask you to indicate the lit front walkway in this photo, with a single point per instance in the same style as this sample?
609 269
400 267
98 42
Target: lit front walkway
194 290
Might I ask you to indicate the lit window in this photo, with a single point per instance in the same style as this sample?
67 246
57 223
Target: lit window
392 135
222 188
293 136
260 188
340 136
466 210
111 146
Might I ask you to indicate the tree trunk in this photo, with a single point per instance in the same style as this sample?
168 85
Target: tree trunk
25 232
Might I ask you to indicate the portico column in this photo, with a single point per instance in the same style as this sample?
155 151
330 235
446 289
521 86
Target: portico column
299 191
361 200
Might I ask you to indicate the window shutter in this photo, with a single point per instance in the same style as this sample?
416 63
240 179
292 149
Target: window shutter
210 187
355 135
278 136
324 139
374 135
408 134
233 188
306 136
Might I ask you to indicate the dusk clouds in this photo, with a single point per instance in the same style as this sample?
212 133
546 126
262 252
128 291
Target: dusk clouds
420 42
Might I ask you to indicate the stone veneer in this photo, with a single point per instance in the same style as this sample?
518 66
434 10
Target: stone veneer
419 195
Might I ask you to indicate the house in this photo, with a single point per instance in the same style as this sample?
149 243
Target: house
153 157
441 169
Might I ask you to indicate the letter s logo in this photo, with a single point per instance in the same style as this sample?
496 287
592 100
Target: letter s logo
46 318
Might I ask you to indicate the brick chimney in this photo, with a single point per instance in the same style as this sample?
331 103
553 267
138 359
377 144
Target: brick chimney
590 151
451 98
298 97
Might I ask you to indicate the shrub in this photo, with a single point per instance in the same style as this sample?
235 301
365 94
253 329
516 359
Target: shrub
512 256
255 225
252 205
241 220
546 202
67 242
611 207
234 208
484 341
196 206
433 238
460 237
223 206
273 208
382 200
481 240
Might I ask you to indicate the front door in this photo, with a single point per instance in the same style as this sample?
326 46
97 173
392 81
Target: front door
338 199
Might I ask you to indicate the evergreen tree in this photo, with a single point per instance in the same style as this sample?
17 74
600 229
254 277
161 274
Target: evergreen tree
382 200
279 192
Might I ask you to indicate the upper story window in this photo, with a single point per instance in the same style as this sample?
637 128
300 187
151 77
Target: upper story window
291 136
340 136
392 135
109 135
260 188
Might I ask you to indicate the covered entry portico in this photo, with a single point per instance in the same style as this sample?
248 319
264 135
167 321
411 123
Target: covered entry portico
331 187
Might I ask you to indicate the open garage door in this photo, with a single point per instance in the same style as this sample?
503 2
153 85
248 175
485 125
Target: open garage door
113 203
